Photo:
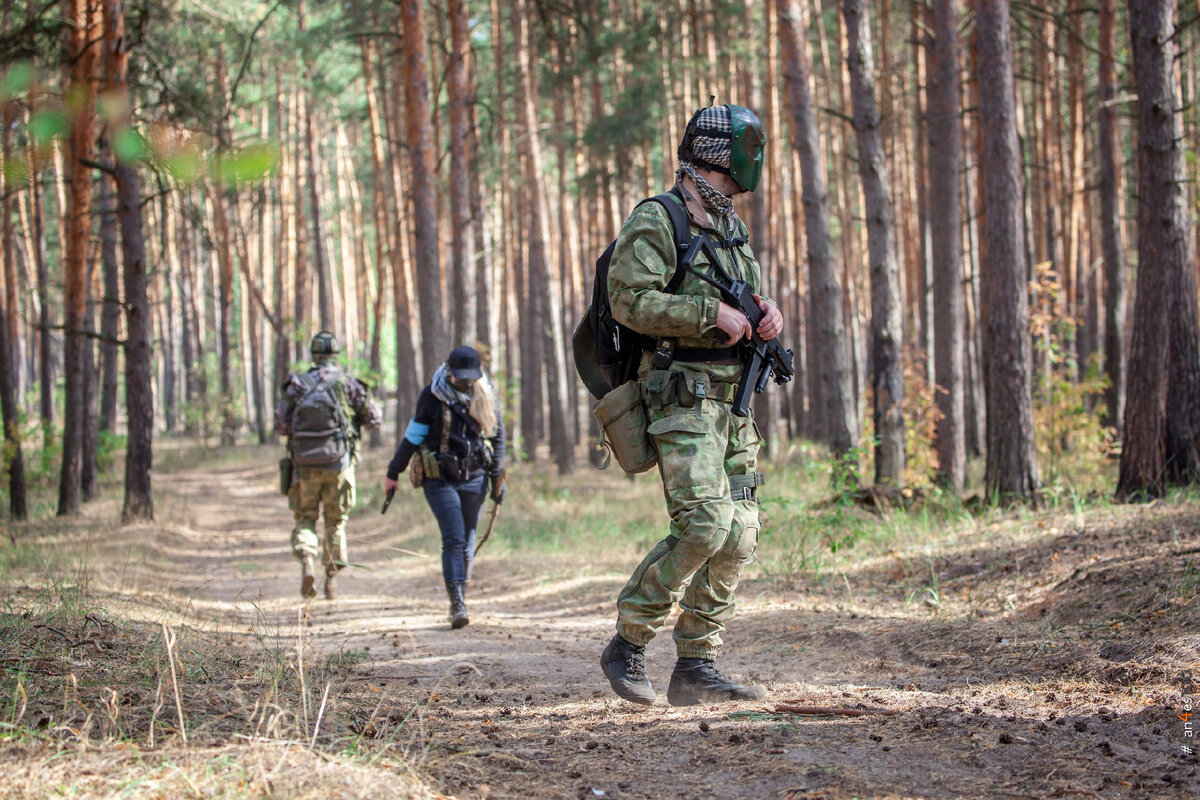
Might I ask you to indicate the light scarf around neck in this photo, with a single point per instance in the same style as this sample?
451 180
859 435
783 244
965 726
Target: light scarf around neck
712 197
444 390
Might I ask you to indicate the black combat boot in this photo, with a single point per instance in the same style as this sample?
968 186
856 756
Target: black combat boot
458 604
696 680
624 665
308 579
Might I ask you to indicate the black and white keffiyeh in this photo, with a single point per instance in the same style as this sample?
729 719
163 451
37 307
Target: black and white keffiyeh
712 144
713 199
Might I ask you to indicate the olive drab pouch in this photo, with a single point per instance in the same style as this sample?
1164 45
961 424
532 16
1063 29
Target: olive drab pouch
285 474
623 423
429 465
416 471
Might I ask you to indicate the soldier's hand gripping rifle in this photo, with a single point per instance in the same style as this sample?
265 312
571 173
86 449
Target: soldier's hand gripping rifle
763 359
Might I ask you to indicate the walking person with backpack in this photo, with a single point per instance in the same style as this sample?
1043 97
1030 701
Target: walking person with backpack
322 412
692 358
454 443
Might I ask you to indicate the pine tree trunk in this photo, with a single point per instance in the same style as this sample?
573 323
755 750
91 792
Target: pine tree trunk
302 286
13 460
110 315
37 223
426 254
408 366
1160 447
170 293
945 143
460 94
225 313
887 365
1077 255
384 245
828 352
139 394
221 204
1011 459
1112 239
324 285
91 383
80 27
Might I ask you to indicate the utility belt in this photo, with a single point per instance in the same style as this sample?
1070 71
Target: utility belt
447 466
665 352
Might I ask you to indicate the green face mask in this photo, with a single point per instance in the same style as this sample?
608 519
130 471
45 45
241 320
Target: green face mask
746 159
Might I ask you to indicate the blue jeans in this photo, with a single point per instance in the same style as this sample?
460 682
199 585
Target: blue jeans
456 506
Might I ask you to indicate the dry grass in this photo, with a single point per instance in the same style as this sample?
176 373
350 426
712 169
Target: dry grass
96 705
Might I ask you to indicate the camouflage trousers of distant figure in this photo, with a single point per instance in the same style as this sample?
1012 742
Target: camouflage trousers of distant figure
312 490
712 536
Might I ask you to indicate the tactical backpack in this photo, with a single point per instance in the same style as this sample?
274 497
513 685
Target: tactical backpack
607 353
321 432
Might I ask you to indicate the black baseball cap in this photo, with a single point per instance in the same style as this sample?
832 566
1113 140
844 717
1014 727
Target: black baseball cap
464 363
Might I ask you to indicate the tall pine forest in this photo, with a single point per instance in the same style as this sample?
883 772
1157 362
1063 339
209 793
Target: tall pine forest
978 219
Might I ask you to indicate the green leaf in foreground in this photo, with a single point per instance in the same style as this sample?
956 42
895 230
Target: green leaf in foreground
248 164
47 125
129 145
15 81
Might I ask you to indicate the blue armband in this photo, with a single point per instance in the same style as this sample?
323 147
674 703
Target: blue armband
416 432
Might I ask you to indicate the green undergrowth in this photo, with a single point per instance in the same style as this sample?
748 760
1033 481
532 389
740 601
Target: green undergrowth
814 522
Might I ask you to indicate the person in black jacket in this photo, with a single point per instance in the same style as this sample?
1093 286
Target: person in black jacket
457 437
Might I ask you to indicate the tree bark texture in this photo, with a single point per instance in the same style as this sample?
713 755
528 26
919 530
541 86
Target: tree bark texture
1011 458
1162 255
82 59
543 278
110 308
1112 239
139 394
13 460
944 130
887 335
829 355
426 256
320 263
462 226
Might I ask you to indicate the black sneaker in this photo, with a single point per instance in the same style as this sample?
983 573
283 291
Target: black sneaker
696 680
624 665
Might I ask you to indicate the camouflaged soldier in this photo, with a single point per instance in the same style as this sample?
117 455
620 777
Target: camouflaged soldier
707 455
322 412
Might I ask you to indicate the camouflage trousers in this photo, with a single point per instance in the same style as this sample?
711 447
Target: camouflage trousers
702 449
311 490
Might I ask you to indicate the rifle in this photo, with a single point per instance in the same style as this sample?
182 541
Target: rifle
763 359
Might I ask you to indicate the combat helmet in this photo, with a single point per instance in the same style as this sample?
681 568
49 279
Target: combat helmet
324 346
726 139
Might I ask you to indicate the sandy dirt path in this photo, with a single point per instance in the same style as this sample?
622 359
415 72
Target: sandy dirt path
1028 682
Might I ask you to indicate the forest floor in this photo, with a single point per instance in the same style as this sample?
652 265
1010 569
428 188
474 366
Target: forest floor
1037 655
